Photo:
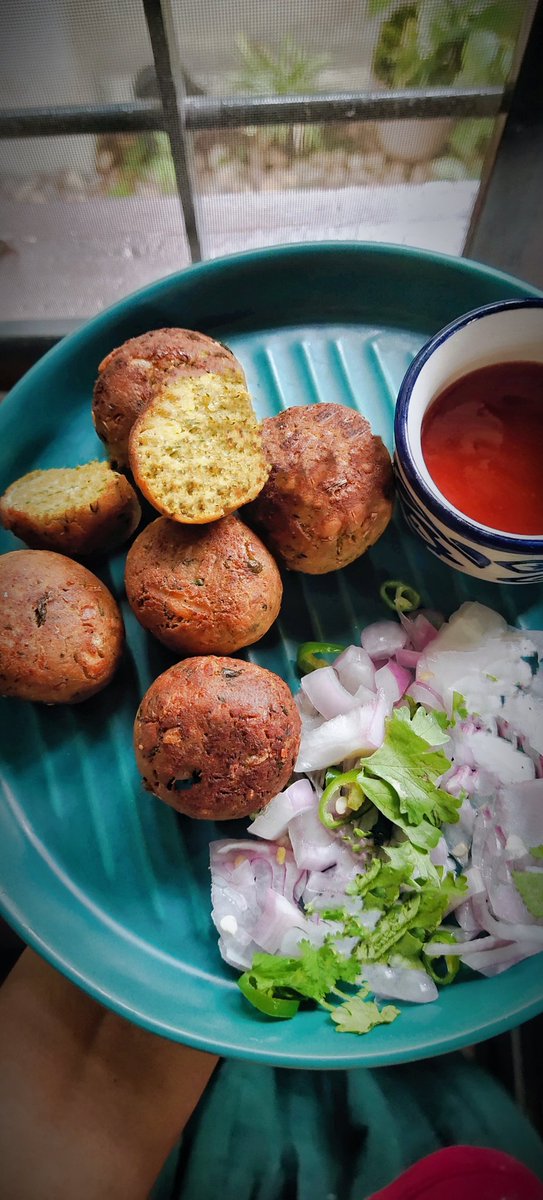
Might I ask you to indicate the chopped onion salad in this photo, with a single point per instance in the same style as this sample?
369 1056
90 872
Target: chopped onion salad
409 847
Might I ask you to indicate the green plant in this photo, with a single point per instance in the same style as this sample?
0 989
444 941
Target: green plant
145 158
284 71
449 43
288 70
469 143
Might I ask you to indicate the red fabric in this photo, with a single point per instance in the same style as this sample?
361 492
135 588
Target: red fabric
465 1173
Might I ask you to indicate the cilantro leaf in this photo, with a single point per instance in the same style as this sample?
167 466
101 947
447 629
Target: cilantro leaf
383 795
537 852
529 885
358 1015
436 900
423 910
415 864
411 766
361 883
389 929
459 708
312 976
426 725
410 946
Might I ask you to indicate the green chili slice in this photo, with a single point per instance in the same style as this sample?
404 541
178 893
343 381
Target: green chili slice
442 970
348 778
271 1006
399 596
312 655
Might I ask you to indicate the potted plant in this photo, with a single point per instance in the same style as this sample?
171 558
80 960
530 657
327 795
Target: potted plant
453 43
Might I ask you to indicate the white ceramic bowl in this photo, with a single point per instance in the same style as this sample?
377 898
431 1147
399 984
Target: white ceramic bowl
508 331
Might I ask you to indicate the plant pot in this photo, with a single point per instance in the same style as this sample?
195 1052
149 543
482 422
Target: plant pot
414 140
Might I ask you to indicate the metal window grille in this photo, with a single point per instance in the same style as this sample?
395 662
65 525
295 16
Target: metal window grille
179 115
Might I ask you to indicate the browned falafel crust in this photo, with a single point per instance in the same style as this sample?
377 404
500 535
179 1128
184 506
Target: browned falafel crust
216 738
204 589
329 495
61 632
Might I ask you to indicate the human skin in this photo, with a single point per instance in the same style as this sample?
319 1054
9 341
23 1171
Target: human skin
90 1105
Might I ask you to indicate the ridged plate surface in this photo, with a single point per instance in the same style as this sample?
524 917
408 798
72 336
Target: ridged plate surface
101 878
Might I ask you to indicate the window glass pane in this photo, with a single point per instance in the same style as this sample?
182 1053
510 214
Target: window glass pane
85 219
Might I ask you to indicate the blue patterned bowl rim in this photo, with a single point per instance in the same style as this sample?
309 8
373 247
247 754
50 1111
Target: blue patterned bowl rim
463 525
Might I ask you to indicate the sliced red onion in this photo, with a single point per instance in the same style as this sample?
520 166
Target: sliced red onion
408 658
437 949
312 932
305 707
355 669
505 901
333 880
475 881
383 638
342 737
376 728
419 630
439 855
327 694
277 916
364 695
236 953
433 616
493 962
499 757
466 918
519 809
504 929
423 632
351 904
421 693
222 848
314 848
393 681
400 983
272 822
299 886
515 848
460 779
261 870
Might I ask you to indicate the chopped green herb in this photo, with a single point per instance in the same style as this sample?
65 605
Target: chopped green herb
459 709
529 885
312 976
359 1015
411 765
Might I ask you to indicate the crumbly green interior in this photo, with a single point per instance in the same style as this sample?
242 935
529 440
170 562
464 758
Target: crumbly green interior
199 447
55 492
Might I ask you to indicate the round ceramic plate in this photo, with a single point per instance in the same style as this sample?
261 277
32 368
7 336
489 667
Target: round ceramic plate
105 881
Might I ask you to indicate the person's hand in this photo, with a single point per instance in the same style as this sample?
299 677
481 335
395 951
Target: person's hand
90 1105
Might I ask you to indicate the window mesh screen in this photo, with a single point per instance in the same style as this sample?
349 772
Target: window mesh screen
86 218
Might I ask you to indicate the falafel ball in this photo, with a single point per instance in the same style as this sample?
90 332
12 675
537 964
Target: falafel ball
216 738
203 589
61 631
329 495
132 374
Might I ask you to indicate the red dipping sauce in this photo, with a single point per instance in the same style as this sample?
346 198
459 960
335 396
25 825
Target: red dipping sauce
482 442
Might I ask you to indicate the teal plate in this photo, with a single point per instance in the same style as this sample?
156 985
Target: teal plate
106 882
